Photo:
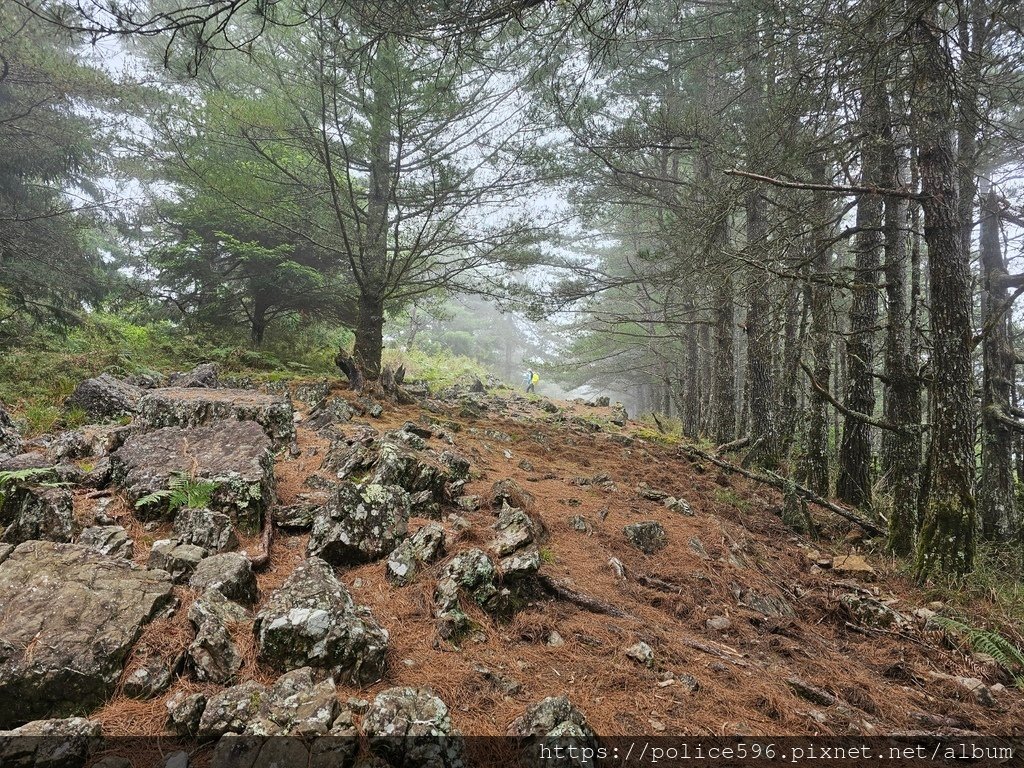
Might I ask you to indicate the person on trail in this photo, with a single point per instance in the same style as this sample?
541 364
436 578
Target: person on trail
531 380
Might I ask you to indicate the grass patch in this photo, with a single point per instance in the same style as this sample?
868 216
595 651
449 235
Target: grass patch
438 370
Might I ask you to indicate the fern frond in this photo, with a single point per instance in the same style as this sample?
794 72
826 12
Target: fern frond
1006 654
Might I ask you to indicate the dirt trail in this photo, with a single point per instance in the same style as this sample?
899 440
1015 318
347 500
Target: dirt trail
733 553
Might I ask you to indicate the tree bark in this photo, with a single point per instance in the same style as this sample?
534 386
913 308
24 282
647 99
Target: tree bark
947 540
996 489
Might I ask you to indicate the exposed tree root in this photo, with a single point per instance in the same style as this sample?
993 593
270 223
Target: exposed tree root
563 591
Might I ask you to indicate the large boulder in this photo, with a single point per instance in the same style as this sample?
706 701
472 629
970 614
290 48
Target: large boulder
65 743
37 512
10 438
236 456
554 722
111 540
360 523
295 705
412 727
193 407
105 398
424 546
69 619
313 621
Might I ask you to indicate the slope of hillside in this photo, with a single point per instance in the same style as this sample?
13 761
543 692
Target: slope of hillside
729 624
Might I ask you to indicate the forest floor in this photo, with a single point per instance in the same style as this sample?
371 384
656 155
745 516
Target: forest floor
737 601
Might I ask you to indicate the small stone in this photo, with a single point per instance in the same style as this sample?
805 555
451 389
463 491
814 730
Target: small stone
555 640
853 566
648 536
177 759
718 623
578 523
641 653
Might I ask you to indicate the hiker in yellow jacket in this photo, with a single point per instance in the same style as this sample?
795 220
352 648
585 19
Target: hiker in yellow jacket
531 380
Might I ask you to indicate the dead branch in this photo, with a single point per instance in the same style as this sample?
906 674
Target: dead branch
839 190
565 591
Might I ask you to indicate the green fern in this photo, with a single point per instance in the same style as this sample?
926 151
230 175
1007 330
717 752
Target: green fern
14 476
182 492
1008 655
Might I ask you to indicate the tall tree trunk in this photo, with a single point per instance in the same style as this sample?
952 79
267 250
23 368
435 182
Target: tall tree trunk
901 451
725 361
947 532
854 482
996 489
817 459
258 322
691 378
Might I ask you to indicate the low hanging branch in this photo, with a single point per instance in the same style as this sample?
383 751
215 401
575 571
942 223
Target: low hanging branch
835 189
775 481
869 420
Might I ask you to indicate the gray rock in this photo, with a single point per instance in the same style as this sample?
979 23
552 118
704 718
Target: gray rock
10 437
234 455
50 743
424 546
205 528
151 678
213 655
194 407
177 759
313 621
109 540
718 623
520 565
203 375
578 523
509 492
870 612
641 653
37 512
96 440
619 417
294 705
647 536
179 560
105 398
471 573
295 517
515 530
184 711
229 573
412 727
553 721
80 612
359 524
679 506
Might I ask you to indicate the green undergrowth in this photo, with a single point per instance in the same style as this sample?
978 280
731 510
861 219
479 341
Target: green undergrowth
438 369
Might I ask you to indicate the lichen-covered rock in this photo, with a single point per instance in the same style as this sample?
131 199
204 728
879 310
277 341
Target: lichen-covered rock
179 560
648 536
295 517
471 573
10 437
194 407
112 540
619 417
520 566
295 705
313 621
37 512
95 440
553 722
509 493
69 619
151 677
424 546
514 530
233 455
229 573
63 743
871 612
184 711
203 375
213 655
105 398
359 524
213 531
311 392
412 727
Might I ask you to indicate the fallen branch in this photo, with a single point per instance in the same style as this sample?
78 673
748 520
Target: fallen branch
782 484
564 591
717 650
735 445
835 189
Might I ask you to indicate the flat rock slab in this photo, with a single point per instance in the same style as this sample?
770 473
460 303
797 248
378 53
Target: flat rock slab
69 619
193 407
236 455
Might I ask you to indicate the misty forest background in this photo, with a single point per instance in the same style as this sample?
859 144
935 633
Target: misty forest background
791 230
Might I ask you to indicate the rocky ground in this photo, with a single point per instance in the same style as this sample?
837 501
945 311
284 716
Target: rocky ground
210 561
